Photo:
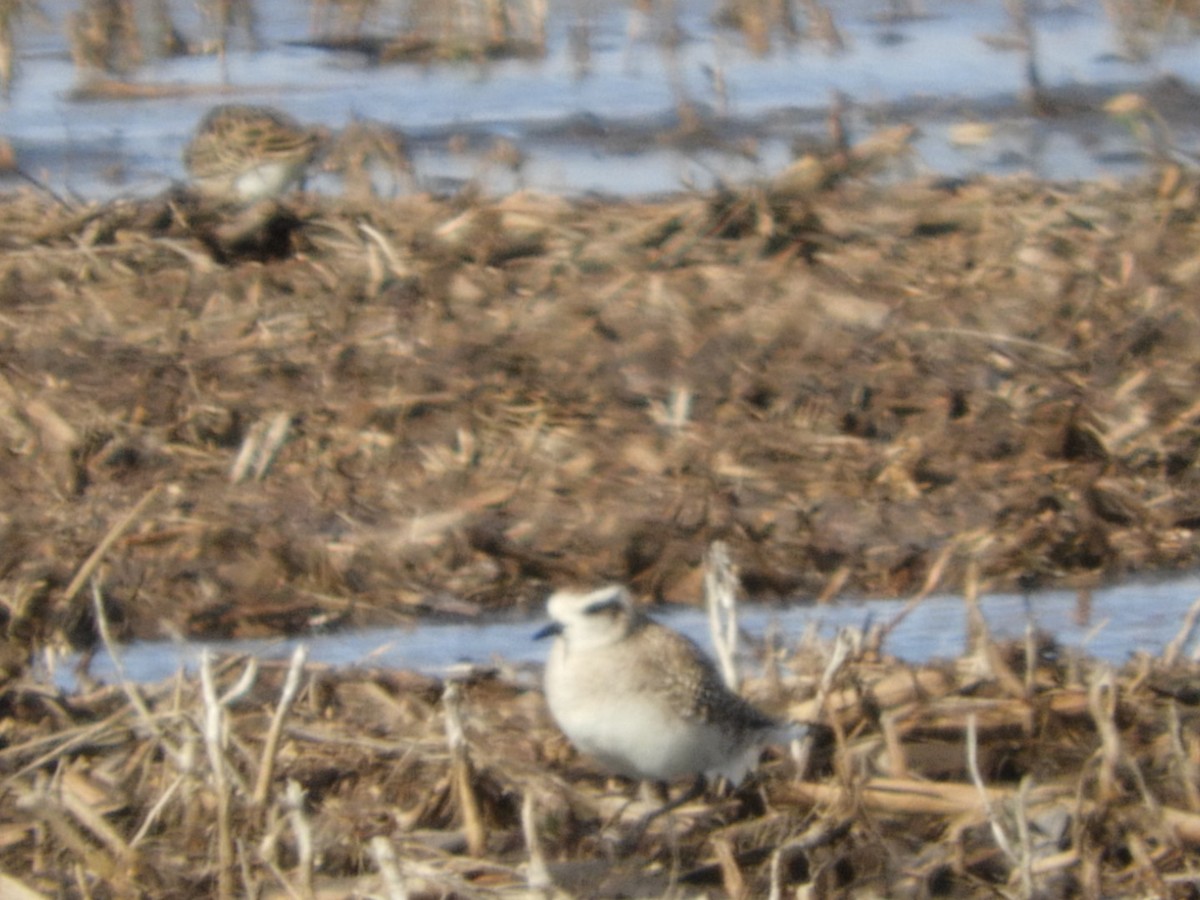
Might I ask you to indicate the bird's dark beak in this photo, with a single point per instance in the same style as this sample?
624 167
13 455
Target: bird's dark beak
554 628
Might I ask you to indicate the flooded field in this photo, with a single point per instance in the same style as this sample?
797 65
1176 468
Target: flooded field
628 99
841 288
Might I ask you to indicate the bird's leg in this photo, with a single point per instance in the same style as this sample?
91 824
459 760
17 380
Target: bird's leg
696 790
635 834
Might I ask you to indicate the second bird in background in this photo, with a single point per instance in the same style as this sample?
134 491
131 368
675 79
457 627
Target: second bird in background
249 153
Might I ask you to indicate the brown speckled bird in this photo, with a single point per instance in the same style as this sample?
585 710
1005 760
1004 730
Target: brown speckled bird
643 699
249 153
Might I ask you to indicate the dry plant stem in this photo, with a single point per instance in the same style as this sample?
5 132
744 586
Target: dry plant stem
302 830
81 881
71 738
720 598
93 821
1024 841
259 448
215 737
1144 861
461 773
834 585
50 813
732 879
1030 650
802 747
268 848
1174 648
93 560
1185 762
537 876
879 635
994 337
157 809
213 740
14 889
818 835
897 765
291 686
1102 703
389 868
130 690
66 742
395 264
905 796
980 637
1185 825
997 827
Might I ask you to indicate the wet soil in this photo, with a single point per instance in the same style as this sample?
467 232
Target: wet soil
332 413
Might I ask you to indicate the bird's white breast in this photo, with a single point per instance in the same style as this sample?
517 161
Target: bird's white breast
610 710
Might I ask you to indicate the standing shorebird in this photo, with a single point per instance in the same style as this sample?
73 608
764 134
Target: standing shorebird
644 700
249 153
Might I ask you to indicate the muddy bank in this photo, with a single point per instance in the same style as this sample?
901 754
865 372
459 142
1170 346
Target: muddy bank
338 413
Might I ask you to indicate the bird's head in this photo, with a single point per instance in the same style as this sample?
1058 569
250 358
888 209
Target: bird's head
594 619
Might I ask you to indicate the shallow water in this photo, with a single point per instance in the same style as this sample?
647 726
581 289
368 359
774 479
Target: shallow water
1108 624
608 129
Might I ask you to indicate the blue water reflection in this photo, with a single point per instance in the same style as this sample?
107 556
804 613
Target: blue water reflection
1111 624
934 69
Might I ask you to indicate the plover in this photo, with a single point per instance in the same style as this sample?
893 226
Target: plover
643 699
249 153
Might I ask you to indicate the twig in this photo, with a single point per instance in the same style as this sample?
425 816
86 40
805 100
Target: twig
537 876
38 802
1174 648
88 816
136 701
214 738
732 879
818 835
1030 648
397 266
302 830
389 868
66 741
801 747
14 889
259 448
461 774
897 762
998 338
1187 769
1102 703
998 832
93 560
904 796
156 810
720 598
879 634
70 738
979 638
291 685
1024 842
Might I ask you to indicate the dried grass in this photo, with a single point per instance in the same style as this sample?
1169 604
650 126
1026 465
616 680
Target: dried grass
298 780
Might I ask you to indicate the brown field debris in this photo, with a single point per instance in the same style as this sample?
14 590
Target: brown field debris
1019 770
334 413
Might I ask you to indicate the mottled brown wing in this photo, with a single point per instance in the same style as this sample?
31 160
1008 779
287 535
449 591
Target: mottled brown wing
693 682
